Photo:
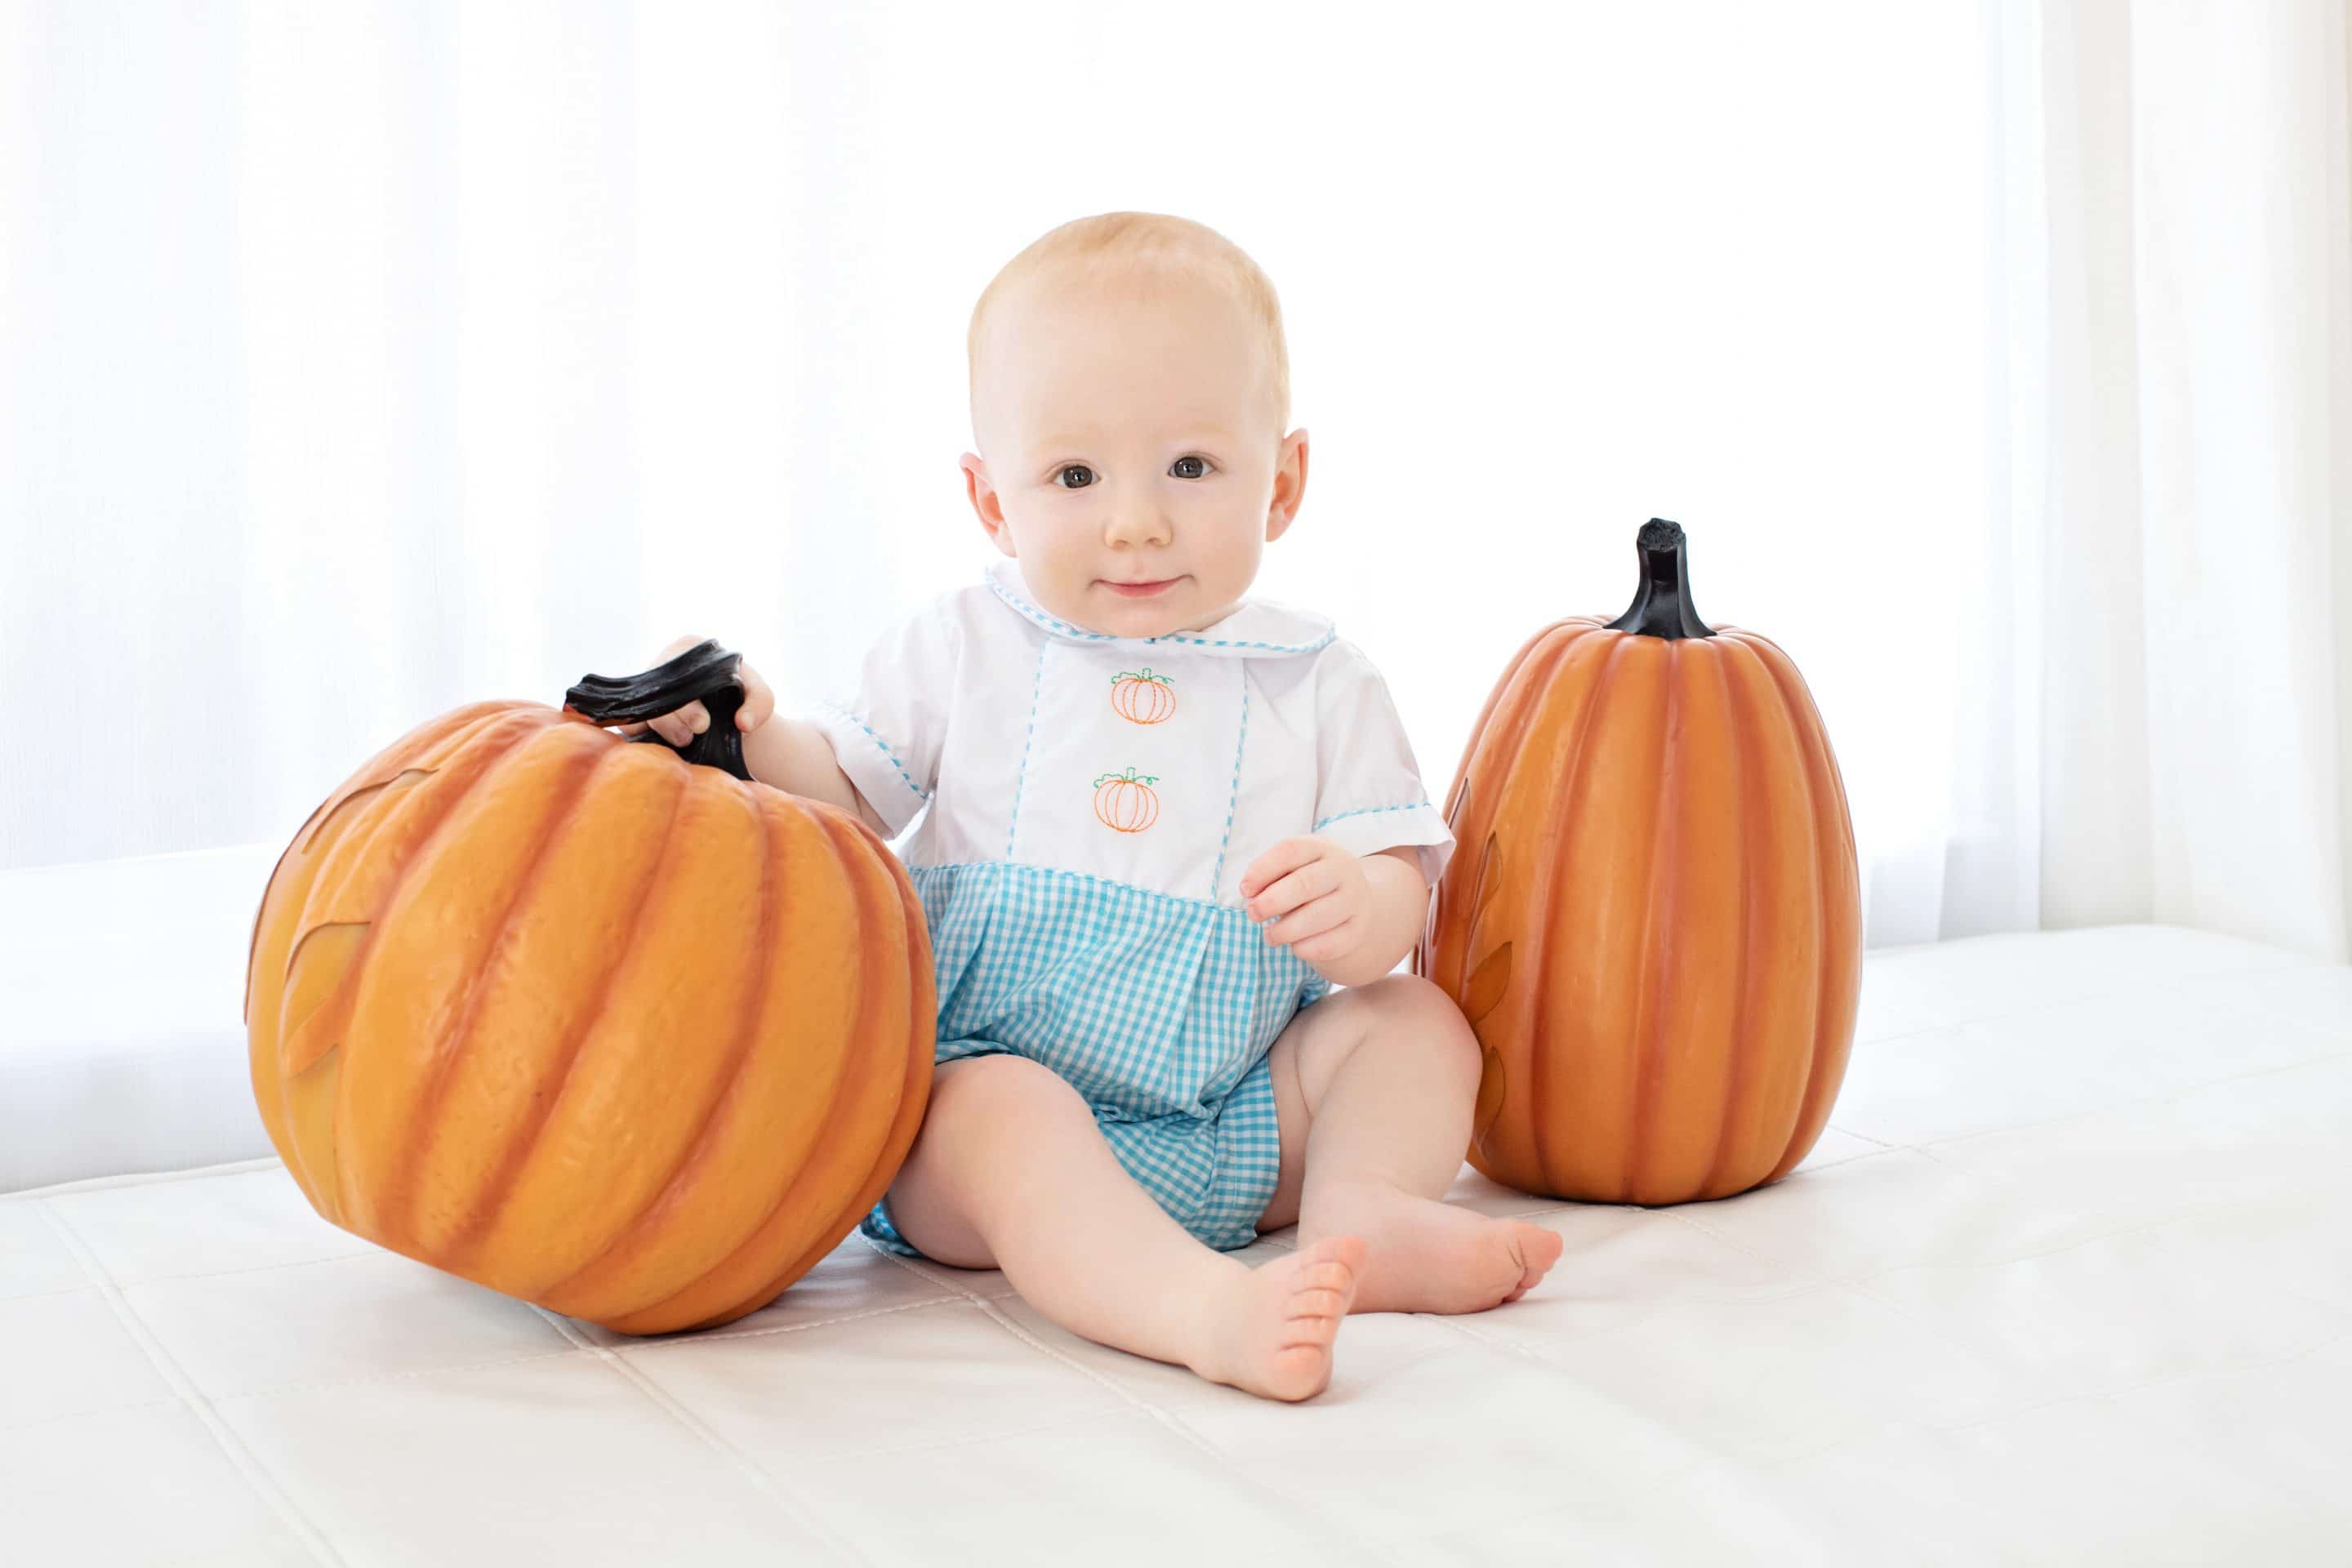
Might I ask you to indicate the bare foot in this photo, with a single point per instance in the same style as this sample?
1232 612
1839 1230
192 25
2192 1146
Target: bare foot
1272 1334
1429 1256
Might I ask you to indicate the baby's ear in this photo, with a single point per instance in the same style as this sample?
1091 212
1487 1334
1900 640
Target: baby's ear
985 503
1289 485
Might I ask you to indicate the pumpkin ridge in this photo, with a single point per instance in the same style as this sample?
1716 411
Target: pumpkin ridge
315 1037
1776 722
1455 941
1657 914
253 949
921 1014
1490 977
379 823
1834 850
439 737
1428 961
253 938
1740 704
357 847
1470 814
364 792
750 1300
450 722
491 1193
422 851
1815 1076
293 1058
921 1019
272 1095
1495 697
475 725
859 1028
294 956
1572 774
729 1083
329 1068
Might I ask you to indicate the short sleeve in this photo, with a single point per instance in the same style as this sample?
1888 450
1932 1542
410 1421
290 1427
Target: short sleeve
1368 793
886 732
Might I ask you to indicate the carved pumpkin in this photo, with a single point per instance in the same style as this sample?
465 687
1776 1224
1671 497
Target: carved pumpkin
1143 696
579 1021
1653 922
1125 802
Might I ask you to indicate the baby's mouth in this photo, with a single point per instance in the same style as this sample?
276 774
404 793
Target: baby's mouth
1130 590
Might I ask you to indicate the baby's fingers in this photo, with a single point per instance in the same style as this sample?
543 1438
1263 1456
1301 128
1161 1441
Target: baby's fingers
759 702
1311 880
1314 918
680 727
637 727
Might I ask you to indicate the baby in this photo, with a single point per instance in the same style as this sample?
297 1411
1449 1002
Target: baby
1163 822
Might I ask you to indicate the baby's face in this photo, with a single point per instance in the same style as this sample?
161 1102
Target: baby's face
1131 444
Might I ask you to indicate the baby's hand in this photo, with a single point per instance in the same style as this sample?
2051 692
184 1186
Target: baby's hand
682 725
1320 890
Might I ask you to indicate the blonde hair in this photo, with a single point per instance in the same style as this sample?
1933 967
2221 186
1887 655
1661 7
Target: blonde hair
1136 256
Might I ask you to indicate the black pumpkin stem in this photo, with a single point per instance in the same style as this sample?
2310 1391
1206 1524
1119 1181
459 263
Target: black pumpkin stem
1662 607
705 672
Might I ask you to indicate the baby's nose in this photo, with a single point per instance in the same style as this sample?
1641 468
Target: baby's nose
1137 523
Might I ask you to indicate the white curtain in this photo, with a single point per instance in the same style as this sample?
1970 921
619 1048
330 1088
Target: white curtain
2167 652
362 359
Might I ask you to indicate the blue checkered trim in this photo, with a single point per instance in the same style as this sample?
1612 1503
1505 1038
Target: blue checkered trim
1368 811
1158 1010
905 777
1217 872
1037 695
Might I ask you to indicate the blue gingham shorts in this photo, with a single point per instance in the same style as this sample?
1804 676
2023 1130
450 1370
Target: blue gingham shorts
1159 1010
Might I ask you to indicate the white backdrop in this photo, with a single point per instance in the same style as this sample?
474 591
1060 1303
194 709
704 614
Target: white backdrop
359 359
2163 672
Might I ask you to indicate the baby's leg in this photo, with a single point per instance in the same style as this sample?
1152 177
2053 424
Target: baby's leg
1009 1171
1373 1089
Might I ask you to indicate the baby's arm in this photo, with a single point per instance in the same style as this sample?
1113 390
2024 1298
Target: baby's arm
794 755
1399 912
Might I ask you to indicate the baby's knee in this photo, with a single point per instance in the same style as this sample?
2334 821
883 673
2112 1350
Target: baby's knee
1409 1004
984 1114
1409 998
980 1104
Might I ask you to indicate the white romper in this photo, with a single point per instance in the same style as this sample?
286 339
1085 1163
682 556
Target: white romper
1092 804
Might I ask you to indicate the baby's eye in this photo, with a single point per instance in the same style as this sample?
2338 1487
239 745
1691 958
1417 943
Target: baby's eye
1068 469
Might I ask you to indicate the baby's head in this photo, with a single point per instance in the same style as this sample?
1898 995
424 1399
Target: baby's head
1129 388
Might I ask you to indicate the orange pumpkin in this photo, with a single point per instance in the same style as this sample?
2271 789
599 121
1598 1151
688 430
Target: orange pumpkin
1143 696
568 1017
1125 802
1653 922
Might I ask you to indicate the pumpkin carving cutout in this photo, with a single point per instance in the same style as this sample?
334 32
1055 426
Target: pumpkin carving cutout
1653 925
1141 696
636 1040
1125 801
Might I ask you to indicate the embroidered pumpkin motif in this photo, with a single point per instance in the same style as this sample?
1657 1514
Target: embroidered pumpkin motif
1125 801
1140 695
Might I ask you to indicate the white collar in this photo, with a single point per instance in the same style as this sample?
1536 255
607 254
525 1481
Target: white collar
1257 629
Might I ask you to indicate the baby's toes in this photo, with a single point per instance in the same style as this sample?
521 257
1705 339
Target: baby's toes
1335 1260
1537 1249
1325 1285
